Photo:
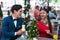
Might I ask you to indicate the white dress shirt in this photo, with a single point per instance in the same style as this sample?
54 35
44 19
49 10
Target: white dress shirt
15 23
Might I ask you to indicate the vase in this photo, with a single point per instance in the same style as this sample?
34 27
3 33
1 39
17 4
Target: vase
35 39
30 38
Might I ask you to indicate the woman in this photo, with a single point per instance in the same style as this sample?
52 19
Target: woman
45 27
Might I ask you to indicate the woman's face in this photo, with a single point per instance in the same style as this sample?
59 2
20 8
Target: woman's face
43 14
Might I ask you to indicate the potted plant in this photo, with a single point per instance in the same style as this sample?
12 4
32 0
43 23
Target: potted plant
33 31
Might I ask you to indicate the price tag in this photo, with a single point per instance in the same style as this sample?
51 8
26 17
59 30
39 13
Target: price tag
23 27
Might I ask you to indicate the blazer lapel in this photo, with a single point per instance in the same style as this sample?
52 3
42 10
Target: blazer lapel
19 23
12 22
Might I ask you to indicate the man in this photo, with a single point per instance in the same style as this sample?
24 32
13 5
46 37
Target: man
12 25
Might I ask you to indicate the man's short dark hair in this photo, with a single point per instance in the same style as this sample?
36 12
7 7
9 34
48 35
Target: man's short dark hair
15 7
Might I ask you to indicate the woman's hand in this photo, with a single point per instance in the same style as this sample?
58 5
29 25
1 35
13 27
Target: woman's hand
47 31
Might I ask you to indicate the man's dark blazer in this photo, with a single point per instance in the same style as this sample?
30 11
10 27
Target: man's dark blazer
8 27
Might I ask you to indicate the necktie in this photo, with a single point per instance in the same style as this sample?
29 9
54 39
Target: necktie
15 22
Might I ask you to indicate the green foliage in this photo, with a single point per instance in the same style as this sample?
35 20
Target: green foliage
33 31
8 12
1 15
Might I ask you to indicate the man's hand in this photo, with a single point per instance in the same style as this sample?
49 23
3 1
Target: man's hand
19 32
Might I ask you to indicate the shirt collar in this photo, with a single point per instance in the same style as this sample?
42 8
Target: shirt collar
13 17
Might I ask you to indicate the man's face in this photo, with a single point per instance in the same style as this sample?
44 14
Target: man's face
18 13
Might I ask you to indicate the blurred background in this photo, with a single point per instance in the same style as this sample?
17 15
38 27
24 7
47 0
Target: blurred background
5 6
